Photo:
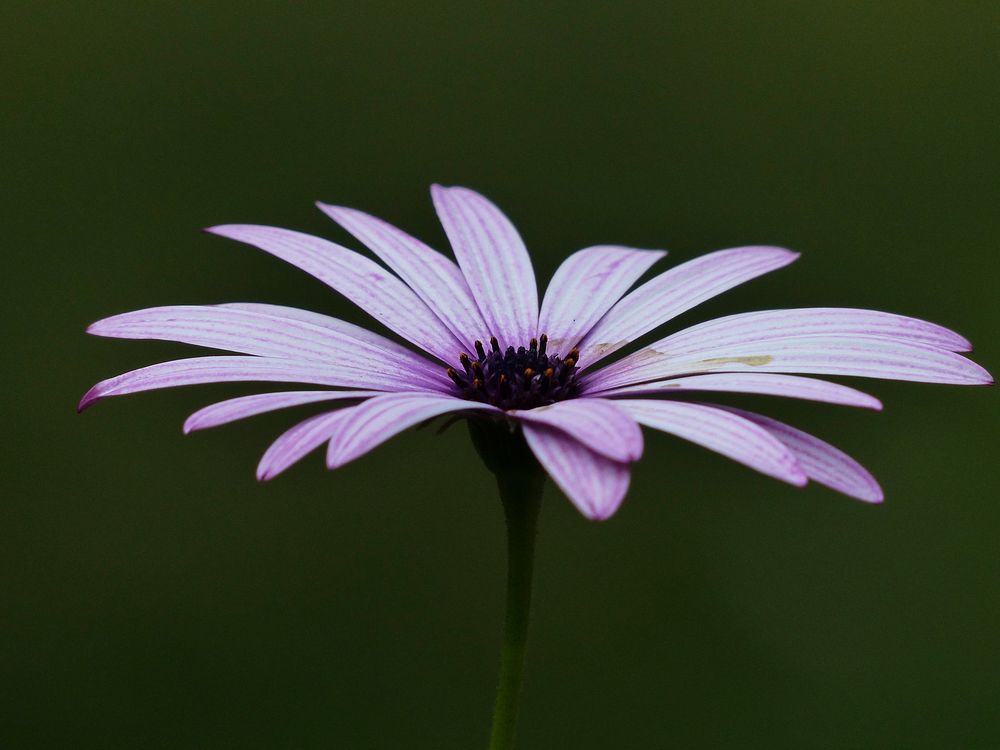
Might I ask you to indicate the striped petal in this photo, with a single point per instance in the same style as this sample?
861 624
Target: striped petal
234 409
436 279
595 484
789 386
598 424
675 291
767 325
861 356
722 432
822 462
359 333
364 282
383 417
585 287
201 370
266 335
302 439
494 260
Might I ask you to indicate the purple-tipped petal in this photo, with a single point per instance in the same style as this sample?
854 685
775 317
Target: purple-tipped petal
821 461
675 291
789 386
234 409
768 325
860 356
295 444
722 432
436 279
266 335
595 484
367 284
598 424
494 260
383 417
201 370
585 287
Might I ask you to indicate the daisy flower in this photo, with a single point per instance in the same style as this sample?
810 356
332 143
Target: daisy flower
486 349
533 379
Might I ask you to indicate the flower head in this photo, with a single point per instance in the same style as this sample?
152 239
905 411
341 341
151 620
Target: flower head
488 350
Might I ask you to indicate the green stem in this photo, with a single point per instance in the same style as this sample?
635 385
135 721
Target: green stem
520 480
521 494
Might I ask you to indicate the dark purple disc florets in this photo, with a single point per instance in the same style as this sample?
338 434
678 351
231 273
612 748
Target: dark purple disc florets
517 378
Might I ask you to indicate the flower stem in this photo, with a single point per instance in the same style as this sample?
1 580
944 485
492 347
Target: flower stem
520 480
521 494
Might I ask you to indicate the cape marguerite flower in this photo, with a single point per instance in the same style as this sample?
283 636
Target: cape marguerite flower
483 347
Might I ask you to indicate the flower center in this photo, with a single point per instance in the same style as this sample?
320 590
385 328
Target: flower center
516 379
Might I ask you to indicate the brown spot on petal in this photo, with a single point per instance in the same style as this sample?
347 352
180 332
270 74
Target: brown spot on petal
644 356
605 347
754 361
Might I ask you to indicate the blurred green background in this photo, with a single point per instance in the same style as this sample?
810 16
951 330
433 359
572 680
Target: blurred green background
155 596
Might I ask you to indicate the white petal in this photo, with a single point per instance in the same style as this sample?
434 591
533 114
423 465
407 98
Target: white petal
367 284
790 386
436 279
821 461
599 424
585 287
382 417
722 432
861 356
302 439
768 325
494 260
261 333
595 484
234 409
674 292
201 370
359 333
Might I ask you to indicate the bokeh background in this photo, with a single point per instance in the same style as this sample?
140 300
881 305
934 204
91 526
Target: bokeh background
155 596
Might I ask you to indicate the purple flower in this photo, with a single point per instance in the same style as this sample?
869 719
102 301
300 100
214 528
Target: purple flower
489 351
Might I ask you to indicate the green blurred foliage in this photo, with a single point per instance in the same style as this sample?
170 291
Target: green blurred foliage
156 596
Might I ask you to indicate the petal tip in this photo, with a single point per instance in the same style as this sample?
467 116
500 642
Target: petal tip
979 375
90 398
596 513
870 494
439 190
232 231
784 254
597 517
